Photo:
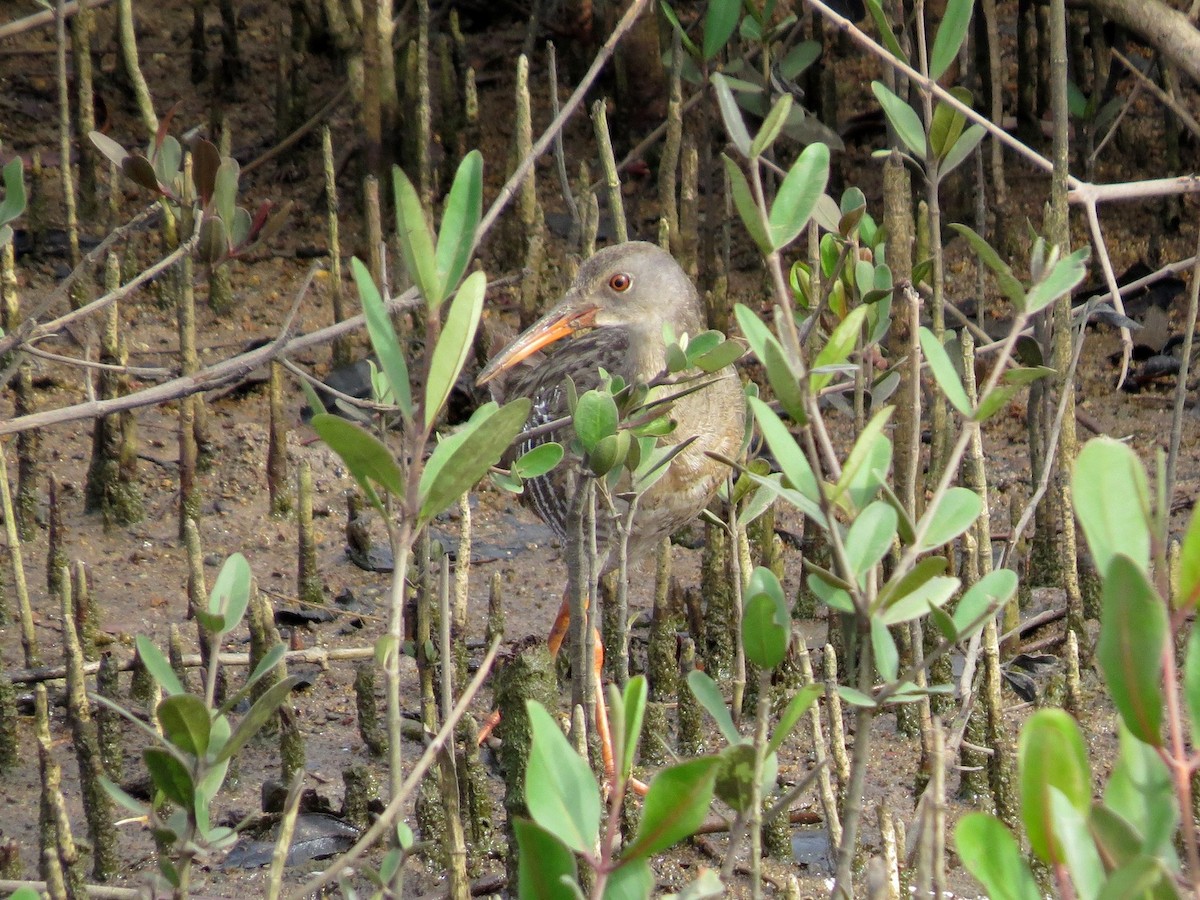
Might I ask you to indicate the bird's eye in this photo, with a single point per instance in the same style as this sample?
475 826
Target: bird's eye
620 282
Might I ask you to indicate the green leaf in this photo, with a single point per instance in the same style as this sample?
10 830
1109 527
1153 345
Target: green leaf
792 461
158 666
454 344
1141 792
989 592
838 348
947 123
675 806
771 126
1079 851
706 691
1009 285
14 190
1191 678
545 864
631 880
906 607
185 723
366 457
1112 502
950 36
1133 636
720 19
268 702
1061 280
747 209
734 783
800 703
992 855
538 461
764 638
459 461
1050 753
944 371
885 31
902 118
955 513
869 538
724 354
113 152
269 661
634 699
962 148
730 114
855 697
224 188
688 44
170 776
867 463
780 374
1142 877
416 240
920 573
383 337
122 799
797 196
596 417
464 207
560 790
887 657
230 593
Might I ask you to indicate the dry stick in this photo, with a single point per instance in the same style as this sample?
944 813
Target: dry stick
1184 116
206 379
388 816
29 329
314 655
38 20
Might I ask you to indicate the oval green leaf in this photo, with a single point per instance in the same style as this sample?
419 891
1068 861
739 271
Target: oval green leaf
675 806
560 790
464 207
185 723
1134 634
991 854
954 514
903 119
1050 753
454 344
1112 502
798 194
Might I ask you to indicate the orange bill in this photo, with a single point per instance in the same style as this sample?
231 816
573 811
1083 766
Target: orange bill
555 325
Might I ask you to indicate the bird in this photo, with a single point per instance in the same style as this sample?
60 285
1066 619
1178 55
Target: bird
612 318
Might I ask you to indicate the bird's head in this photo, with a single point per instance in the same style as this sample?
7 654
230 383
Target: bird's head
635 286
